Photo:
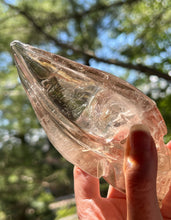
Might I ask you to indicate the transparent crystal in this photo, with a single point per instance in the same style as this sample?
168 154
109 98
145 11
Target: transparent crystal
87 113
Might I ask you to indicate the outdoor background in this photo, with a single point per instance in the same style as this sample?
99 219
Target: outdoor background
128 38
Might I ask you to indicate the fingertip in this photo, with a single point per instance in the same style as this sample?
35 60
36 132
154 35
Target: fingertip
140 153
85 185
140 168
77 171
169 145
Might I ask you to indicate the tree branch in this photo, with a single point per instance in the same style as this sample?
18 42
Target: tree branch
100 7
138 67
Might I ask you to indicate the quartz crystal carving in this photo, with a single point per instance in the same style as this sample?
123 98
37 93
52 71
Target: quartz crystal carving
87 113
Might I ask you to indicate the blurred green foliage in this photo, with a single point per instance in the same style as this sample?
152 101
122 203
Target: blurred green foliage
32 173
65 212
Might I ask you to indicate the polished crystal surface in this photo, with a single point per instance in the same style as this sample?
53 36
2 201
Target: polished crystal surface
87 113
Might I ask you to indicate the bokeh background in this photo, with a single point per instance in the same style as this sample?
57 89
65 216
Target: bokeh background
128 38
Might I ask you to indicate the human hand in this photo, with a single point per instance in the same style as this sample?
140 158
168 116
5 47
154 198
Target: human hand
140 201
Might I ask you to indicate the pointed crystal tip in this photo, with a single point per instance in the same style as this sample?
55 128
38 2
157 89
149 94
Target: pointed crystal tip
17 46
15 43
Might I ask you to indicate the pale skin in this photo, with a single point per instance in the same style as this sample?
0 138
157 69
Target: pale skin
140 201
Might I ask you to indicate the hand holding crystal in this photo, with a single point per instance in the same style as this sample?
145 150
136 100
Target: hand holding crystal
140 171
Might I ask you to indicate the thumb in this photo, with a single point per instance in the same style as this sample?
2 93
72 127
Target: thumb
140 168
